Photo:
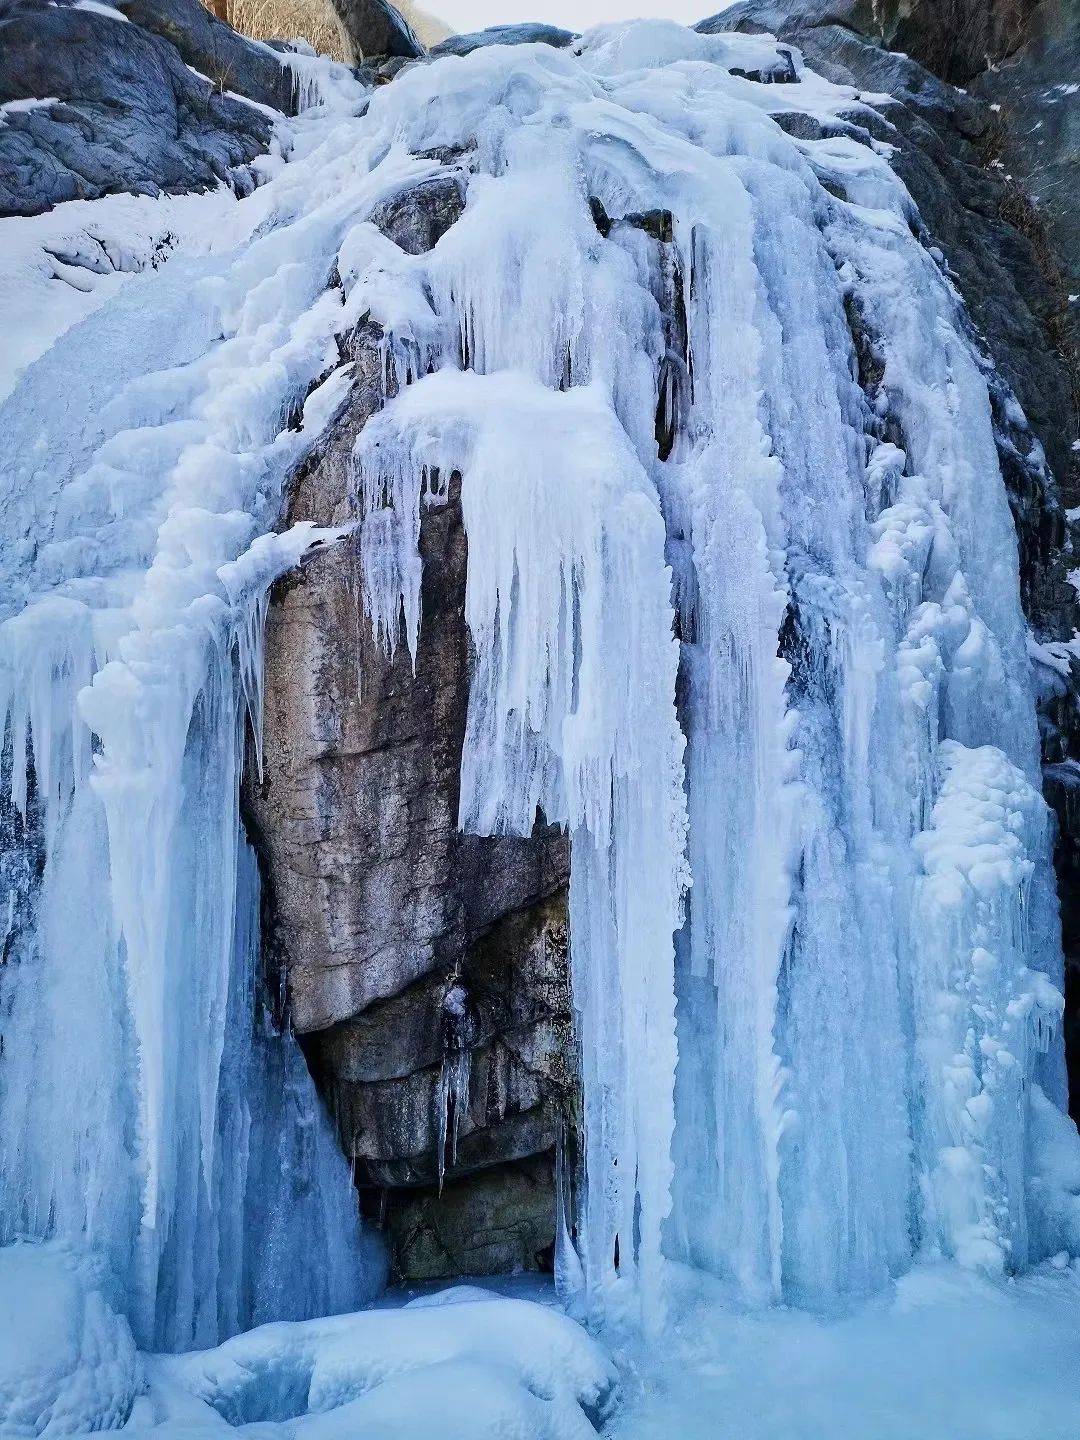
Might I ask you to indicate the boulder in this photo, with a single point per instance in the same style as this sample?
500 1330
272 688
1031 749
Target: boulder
230 61
374 27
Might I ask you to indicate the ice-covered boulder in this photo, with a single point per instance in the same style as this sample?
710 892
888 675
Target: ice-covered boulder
67 1361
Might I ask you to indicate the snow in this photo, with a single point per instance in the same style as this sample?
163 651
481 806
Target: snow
464 1363
67 1360
943 1353
751 632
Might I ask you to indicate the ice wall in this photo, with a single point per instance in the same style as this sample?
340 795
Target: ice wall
745 619
643 239
150 1106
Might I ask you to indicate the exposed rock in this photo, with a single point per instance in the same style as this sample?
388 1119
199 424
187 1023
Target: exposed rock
955 39
208 45
495 1223
421 963
1038 90
136 119
374 27
526 34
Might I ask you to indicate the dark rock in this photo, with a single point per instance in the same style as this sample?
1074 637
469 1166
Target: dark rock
496 1223
941 136
1038 129
135 119
526 34
414 954
374 27
207 44
956 39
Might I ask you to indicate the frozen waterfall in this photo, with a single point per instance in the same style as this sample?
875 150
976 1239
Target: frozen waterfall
746 621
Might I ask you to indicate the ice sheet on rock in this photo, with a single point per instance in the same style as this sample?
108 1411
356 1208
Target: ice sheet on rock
135 575
980 1011
1053 1186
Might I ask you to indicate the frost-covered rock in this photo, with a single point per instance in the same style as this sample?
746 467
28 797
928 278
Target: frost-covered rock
67 1361
136 118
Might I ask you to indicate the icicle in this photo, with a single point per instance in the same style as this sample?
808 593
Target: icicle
452 1087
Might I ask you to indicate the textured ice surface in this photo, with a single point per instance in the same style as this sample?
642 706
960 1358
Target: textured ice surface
148 1104
67 1360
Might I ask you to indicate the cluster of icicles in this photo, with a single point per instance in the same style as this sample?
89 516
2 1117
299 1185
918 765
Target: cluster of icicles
765 665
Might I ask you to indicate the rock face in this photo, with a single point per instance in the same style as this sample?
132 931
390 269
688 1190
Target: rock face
1038 93
136 119
954 39
426 969
375 28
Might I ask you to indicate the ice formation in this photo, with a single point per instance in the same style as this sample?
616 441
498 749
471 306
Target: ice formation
749 628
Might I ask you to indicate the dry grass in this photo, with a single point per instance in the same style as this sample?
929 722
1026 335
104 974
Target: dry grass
310 20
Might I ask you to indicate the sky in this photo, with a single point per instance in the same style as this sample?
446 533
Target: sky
465 15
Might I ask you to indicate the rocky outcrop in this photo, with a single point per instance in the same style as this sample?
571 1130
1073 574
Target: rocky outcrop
375 28
426 969
526 34
1036 99
137 118
214 48
954 39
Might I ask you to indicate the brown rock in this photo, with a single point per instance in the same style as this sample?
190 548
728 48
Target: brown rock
411 953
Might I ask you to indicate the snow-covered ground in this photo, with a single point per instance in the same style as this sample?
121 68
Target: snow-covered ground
462 1364
944 1355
